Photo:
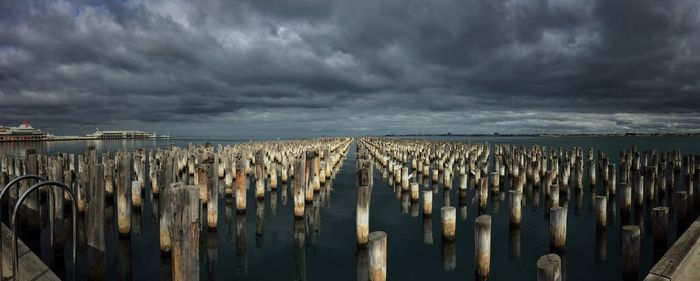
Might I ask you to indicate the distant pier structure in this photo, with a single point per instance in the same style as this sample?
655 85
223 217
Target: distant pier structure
125 134
25 133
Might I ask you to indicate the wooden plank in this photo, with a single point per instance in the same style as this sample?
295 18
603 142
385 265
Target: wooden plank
678 258
30 266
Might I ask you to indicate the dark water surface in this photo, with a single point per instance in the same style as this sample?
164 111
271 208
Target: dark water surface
245 247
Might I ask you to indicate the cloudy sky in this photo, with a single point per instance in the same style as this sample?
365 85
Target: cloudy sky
288 68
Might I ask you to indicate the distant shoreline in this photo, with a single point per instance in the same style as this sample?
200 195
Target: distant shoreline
552 135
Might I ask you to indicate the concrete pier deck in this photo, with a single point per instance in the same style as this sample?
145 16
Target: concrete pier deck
682 261
30 266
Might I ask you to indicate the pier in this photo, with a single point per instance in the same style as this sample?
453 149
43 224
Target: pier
31 267
682 261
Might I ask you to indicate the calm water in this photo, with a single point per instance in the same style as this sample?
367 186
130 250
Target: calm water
265 249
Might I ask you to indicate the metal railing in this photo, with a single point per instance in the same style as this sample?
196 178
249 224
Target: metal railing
74 216
16 181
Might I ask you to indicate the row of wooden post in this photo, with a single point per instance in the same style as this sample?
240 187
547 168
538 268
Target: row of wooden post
395 156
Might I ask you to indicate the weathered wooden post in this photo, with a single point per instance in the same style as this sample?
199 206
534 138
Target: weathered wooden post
273 178
549 268
362 216
415 192
377 255
554 195
241 186
212 189
94 226
404 178
260 175
427 203
123 196
448 216
364 190
184 231
136 200
680 202
659 224
165 220
482 246
515 207
639 189
631 238
483 194
495 182
626 198
299 187
601 211
557 228
463 179
309 176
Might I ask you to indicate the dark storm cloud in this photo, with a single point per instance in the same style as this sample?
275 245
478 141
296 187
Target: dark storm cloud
263 68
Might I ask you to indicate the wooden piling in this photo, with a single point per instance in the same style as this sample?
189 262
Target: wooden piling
165 220
94 226
483 194
299 189
427 203
136 199
184 231
631 238
482 246
448 216
557 228
241 186
362 214
601 212
515 207
626 197
680 203
415 192
123 194
659 224
377 246
549 268
212 190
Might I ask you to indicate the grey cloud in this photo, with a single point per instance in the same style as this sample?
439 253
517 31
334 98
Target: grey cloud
296 68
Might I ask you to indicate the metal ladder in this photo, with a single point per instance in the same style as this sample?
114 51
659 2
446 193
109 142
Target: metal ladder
51 185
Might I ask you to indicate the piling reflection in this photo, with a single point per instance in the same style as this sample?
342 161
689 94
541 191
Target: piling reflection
428 230
109 215
166 268
273 202
97 265
601 244
242 264
449 255
405 202
316 211
136 223
514 234
463 208
299 250
124 259
362 264
283 196
212 255
415 210
259 223
228 219
578 202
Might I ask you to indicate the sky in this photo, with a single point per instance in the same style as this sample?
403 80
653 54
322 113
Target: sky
299 68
